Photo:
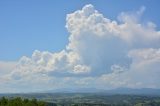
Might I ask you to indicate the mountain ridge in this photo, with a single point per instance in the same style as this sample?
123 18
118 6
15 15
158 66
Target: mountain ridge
136 91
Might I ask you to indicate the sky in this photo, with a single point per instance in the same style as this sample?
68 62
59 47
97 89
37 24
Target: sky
103 44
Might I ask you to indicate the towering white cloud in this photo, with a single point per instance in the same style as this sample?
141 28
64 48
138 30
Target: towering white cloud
100 52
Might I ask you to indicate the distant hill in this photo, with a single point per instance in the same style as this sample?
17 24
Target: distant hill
75 90
120 91
142 91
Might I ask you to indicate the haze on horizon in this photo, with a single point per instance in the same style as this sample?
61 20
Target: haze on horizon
102 46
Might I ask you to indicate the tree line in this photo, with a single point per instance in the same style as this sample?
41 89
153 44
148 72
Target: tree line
20 102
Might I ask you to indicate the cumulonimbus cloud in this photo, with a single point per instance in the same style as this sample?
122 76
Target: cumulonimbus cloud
100 52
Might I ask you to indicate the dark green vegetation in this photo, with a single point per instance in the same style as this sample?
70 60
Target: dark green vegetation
79 99
20 102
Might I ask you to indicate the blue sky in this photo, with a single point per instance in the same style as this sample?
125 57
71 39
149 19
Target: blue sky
103 44
29 25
